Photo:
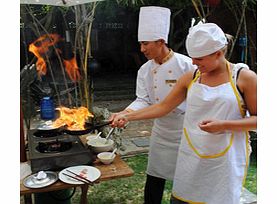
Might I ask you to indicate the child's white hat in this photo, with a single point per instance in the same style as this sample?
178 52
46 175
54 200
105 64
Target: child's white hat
205 39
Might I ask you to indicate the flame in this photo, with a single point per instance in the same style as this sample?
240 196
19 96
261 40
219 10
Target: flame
74 118
40 47
71 68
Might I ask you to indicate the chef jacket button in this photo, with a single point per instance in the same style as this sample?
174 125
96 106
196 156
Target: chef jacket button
155 72
155 87
169 71
157 99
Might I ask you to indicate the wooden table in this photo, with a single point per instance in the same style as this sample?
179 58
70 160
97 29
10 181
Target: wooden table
118 169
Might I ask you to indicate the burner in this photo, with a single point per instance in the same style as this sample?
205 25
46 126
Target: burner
53 146
40 133
49 151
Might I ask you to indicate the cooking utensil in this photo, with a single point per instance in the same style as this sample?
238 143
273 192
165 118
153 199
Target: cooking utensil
98 135
109 134
76 178
93 136
47 127
81 177
89 127
92 174
113 153
104 123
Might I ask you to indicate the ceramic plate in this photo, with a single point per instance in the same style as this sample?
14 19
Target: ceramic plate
89 172
32 181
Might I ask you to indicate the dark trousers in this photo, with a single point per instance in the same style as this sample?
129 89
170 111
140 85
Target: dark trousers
153 190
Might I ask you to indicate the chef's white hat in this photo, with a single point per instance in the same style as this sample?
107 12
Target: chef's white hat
205 39
154 23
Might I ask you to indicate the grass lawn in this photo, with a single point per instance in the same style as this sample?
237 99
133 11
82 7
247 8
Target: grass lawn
130 190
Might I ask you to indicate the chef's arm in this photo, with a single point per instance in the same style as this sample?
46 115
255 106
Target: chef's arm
142 93
125 111
175 97
142 99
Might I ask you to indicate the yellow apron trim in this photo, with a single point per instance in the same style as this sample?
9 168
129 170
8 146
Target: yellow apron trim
194 79
243 115
188 201
235 90
203 156
247 159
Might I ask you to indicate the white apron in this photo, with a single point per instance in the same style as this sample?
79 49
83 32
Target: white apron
164 142
211 168
154 82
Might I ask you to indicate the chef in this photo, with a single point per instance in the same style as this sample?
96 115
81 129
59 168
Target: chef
155 79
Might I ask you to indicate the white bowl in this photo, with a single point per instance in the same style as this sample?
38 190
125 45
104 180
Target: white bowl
98 144
106 157
91 136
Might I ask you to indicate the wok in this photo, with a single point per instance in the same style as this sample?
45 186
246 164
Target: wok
48 129
45 129
89 127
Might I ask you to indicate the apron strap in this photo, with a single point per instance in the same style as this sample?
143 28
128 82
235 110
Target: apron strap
196 75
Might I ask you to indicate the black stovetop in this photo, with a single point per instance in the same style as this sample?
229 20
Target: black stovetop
77 154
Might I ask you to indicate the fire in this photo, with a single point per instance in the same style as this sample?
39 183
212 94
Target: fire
41 46
71 68
75 118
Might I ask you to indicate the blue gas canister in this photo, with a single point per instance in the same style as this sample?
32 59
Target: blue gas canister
47 110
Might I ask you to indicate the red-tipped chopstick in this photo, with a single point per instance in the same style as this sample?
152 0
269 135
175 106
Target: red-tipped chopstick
78 179
81 177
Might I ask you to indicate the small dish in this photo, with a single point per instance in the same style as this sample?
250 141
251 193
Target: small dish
106 157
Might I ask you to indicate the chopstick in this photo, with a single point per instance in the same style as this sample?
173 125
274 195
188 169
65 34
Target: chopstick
79 176
85 182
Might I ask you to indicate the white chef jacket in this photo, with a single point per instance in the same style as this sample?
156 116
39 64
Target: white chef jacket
154 82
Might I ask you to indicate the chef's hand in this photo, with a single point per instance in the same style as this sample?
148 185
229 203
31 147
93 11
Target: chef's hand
212 126
118 120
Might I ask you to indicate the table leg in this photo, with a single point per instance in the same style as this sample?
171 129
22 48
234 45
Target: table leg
28 199
84 199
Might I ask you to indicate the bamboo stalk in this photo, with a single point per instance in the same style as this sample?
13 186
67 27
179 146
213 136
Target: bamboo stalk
246 46
196 8
85 66
238 30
